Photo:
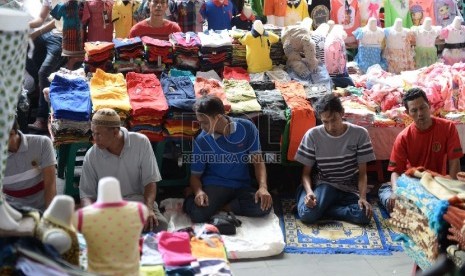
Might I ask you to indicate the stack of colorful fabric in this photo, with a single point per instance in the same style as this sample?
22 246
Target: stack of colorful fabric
276 52
186 50
213 87
148 105
357 113
99 55
216 50
241 96
418 215
179 91
238 54
186 252
129 54
180 73
71 108
158 51
235 73
300 118
272 121
109 90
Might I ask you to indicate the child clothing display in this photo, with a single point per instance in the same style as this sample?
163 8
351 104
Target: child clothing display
112 227
187 14
397 9
370 40
275 11
335 51
73 42
398 52
296 11
319 12
346 13
218 14
244 20
425 43
258 45
122 17
420 9
454 36
446 11
98 20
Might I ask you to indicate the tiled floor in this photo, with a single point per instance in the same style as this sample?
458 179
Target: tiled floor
331 265
315 265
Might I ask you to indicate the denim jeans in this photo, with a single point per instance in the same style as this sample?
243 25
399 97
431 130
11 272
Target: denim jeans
241 202
332 203
52 62
384 193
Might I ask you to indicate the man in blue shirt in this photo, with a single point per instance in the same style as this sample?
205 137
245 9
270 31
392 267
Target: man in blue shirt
220 178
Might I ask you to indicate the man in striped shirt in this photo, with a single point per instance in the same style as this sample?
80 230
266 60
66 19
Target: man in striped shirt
30 176
338 152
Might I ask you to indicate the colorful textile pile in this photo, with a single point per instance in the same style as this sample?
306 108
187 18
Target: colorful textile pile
71 108
129 54
99 55
186 50
216 50
157 51
148 105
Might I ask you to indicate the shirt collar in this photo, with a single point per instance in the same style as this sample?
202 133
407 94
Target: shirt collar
218 3
255 34
23 146
233 127
243 17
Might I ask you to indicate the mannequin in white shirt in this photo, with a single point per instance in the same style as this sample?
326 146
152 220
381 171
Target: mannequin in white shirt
398 25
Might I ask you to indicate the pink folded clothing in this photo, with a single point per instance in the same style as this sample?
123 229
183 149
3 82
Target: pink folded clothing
175 248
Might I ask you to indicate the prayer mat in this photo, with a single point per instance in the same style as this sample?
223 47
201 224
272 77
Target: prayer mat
338 237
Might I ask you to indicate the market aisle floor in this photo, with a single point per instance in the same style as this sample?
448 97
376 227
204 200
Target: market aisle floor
318 265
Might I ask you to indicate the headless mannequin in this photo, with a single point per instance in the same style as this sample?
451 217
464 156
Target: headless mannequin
398 25
61 210
123 219
247 10
258 26
331 24
10 21
372 24
427 24
457 23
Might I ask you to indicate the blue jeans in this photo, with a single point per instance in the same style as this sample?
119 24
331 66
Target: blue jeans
241 202
332 203
52 62
384 193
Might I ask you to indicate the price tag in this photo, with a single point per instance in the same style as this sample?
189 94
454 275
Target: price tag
188 38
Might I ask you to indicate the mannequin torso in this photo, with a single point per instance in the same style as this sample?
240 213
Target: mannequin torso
396 36
371 34
426 34
454 33
55 228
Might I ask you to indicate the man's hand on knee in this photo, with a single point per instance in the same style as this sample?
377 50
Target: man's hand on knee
310 200
201 199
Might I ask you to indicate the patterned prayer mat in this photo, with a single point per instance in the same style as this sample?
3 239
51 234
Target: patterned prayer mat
338 237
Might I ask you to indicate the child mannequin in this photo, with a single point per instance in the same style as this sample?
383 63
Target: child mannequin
55 228
454 36
245 19
370 39
335 51
13 28
111 227
398 51
258 45
425 43
96 18
73 37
